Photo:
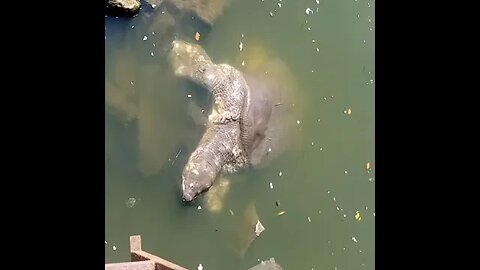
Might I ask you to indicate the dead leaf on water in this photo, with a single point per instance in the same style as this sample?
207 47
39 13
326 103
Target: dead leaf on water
281 213
197 36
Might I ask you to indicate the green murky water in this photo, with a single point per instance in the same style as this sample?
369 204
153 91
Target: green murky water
151 126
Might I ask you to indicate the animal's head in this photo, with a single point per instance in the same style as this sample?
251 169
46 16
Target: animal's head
186 57
196 178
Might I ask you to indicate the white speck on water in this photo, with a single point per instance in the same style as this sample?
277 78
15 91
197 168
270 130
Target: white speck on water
360 251
271 14
338 209
371 29
373 213
275 10
298 122
153 44
371 81
153 33
321 148
199 207
318 50
329 241
346 172
333 198
368 4
240 46
328 192
114 248
308 11
153 5
324 98
131 82
279 4
131 202
243 63
358 15
344 215
189 95
354 239
163 12
319 211
269 149
343 248
271 185
318 120
145 38
133 26
318 2
309 220
231 212
105 242
308 29
313 40
151 53
200 267
369 20
366 207
243 35
280 173
312 70
364 41
313 143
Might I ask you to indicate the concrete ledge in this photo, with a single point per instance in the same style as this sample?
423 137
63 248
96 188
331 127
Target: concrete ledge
142 265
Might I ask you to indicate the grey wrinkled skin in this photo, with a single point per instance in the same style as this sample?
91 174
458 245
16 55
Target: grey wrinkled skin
235 126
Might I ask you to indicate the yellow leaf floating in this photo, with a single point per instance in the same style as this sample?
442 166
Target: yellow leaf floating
357 216
281 213
197 36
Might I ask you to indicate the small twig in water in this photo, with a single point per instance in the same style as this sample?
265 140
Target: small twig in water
179 151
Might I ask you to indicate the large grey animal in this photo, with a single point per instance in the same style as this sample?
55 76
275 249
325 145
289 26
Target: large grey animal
236 125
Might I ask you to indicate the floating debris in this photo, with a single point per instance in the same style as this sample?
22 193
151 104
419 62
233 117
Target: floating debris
349 111
151 53
354 239
105 242
279 4
371 180
313 40
133 26
338 209
328 192
130 202
145 38
200 267
281 213
344 215
346 172
271 185
114 248
240 46
319 211
277 203
199 207
259 228
309 29
189 95
131 82
243 63
197 36
243 36
321 148
231 212
298 122
153 44
153 33
358 217
318 50
318 2
308 11
333 198
280 173
269 150
373 213
154 6
271 14
313 143
358 15
309 220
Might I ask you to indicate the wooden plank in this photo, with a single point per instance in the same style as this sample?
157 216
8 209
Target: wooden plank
141 265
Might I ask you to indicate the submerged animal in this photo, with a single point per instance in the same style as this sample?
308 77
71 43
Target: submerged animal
236 126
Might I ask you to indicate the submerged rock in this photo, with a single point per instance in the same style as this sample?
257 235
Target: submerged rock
125 8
